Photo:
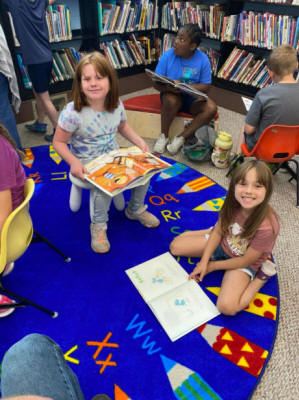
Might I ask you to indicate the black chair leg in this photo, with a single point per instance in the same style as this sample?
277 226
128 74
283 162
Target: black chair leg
24 302
295 175
39 238
237 159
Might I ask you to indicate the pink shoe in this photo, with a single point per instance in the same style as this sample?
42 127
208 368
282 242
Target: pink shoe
4 312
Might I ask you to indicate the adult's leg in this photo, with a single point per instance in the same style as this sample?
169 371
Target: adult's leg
41 114
36 365
44 105
171 103
237 291
204 112
7 117
190 244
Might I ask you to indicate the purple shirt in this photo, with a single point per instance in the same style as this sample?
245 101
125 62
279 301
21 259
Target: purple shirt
12 174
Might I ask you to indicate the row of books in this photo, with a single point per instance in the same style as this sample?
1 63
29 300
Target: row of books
208 18
261 29
244 67
126 16
64 64
58 22
130 52
287 2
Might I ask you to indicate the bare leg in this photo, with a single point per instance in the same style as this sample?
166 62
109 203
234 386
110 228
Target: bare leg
40 110
45 106
189 244
171 103
237 291
204 112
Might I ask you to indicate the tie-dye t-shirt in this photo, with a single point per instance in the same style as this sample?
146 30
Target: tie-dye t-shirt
93 132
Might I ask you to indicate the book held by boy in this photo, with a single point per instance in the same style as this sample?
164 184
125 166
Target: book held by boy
187 89
179 304
123 169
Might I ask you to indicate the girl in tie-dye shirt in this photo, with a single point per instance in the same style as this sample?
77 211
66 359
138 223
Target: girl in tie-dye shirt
90 124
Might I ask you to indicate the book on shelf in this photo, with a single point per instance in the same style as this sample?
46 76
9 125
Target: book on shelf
179 304
179 85
123 169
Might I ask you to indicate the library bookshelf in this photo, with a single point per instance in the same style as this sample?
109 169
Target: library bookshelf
132 34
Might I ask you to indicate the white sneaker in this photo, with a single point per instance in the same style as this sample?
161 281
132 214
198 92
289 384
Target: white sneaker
161 144
175 145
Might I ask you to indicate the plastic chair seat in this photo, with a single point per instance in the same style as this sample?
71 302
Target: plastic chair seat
149 103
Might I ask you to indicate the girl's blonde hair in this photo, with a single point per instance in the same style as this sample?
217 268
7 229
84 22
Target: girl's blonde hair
262 211
102 66
4 132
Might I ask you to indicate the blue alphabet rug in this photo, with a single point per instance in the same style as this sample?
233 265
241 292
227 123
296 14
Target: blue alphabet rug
107 333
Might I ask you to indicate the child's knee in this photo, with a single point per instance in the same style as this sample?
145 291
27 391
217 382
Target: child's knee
227 307
174 247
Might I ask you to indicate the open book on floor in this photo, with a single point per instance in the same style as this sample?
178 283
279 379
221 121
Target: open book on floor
187 89
123 169
179 305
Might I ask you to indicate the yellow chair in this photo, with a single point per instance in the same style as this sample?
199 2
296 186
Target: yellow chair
16 235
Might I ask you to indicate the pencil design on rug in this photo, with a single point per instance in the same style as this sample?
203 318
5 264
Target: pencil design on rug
262 304
29 158
174 170
119 394
187 384
196 185
235 348
211 205
55 157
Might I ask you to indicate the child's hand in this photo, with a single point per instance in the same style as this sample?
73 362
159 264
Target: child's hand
78 169
144 147
199 272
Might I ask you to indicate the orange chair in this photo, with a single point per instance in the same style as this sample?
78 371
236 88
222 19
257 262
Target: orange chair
277 144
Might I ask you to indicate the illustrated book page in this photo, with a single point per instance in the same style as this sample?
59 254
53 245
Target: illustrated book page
179 305
184 87
123 169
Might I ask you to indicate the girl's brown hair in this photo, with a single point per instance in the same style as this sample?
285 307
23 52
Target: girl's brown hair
102 66
262 211
5 134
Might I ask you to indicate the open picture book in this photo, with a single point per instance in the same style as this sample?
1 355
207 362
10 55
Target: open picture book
178 85
179 304
123 169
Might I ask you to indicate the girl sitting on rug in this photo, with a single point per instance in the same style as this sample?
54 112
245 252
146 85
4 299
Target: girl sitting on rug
91 122
241 240
12 181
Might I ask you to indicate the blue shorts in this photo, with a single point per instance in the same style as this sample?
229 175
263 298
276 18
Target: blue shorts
40 75
187 101
219 254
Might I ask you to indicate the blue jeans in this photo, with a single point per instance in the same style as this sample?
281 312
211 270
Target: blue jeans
102 203
7 117
35 365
